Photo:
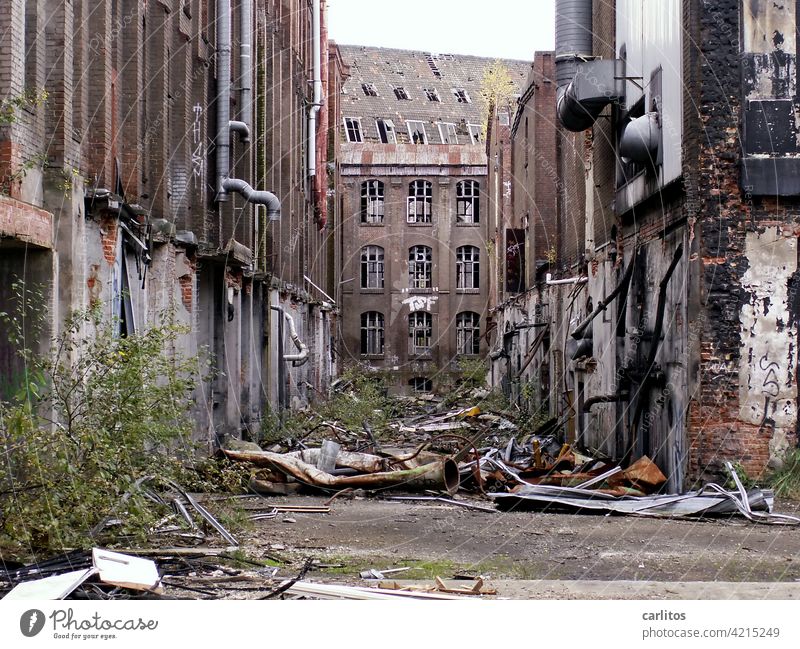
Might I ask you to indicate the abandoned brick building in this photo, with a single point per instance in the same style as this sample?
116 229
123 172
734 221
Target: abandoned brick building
177 164
663 318
415 203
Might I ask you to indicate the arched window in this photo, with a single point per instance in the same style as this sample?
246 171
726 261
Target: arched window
468 198
372 333
372 267
468 268
420 267
468 333
420 202
420 333
372 201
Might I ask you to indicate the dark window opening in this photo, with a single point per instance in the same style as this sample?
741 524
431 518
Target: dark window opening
420 267
515 261
421 384
420 332
372 201
468 333
372 333
467 267
468 195
372 267
420 202
401 93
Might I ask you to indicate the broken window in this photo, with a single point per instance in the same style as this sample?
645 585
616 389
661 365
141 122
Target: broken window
386 131
475 133
432 94
372 267
369 89
352 127
468 194
420 202
468 333
504 118
467 268
401 93
420 267
447 133
372 201
416 132
462 97
431 59
420 333
372 333
421 384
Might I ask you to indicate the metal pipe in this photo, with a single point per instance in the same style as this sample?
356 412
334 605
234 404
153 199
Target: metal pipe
246 64
256 197
241 128
302 355
603 304
573 38
223 141
316 103
572 280
606 398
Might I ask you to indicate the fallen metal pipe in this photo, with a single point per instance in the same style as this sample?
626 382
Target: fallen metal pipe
442 475
363 462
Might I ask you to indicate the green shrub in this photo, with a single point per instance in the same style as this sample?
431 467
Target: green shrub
96 414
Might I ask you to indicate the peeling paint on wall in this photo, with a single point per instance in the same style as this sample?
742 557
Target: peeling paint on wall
767 387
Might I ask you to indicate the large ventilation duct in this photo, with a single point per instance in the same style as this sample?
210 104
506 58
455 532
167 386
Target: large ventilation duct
585 85
573 38
641 140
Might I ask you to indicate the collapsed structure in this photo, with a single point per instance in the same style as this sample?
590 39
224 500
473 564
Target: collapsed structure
658 317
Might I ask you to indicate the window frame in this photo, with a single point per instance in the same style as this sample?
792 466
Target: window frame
401 94
373 333
373 267
450 126
420 267
475 133
411 133
420 191
389 129
433 95
369 89
468 267
415 381
468 333
360 131
420 328
462 96
373 203
468 202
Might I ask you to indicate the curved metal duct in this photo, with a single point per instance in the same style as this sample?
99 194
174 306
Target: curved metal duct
641 140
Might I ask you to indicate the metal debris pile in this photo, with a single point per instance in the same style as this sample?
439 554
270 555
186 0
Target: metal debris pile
468 450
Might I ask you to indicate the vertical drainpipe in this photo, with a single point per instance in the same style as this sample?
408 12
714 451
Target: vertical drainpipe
321 179
246 62
223 142
317 100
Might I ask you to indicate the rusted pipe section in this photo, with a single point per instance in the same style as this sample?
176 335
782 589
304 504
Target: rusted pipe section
442 475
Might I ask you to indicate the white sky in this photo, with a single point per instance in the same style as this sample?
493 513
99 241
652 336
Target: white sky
507 29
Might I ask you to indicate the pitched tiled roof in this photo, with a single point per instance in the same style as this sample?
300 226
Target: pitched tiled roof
385 70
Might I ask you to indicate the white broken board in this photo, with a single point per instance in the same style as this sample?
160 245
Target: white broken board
53 587
126 571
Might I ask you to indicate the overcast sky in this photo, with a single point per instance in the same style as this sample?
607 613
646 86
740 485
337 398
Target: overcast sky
508 29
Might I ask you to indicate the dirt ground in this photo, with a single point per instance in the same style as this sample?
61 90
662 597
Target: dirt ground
532 554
